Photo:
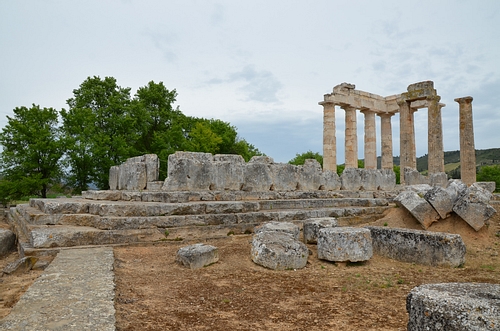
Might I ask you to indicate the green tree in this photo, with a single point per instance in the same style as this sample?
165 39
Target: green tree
300 159
32 149
397 171
490 174
100 131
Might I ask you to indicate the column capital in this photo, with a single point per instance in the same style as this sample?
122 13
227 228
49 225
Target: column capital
326 102
435 98
386 114
367 111
467 99
346 106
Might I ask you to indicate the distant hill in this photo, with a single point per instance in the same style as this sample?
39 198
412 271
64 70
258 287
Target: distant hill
452 159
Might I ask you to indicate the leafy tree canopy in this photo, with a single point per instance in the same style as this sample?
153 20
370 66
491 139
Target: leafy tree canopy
32 149
300 159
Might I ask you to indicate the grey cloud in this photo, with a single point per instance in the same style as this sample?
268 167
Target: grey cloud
217 15
164 43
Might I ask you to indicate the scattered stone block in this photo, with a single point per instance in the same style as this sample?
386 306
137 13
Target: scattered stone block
454 306
417 246
455 189
345 244
285 227
197 256
313 225
20 266
418 207
441 200
489 186
278 251
7 241
473 207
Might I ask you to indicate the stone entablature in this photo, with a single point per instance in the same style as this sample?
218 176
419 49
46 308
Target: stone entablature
418 95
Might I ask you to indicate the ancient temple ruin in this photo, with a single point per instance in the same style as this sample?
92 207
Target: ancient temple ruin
418 95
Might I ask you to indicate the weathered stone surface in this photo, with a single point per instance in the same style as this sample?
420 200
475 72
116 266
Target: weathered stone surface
20 266
344 244
413 177
418 207
441 200
438 179
369 179
285 227
473 207
421 189
74 293
386 179
285 177
7 241
189 171
309 176
417 246
197 256
113 177
135 173
228 172
454 307
278 251
155 186
258 176
489 186
313 225
351 179
330 181
455 188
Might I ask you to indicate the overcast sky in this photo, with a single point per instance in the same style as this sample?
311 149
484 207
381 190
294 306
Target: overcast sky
263 66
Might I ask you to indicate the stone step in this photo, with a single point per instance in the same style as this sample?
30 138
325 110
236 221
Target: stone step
43 236
135 209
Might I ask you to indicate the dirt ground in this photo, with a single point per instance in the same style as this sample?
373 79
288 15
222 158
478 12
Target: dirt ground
155 293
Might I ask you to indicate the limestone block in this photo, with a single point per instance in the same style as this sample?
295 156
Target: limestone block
258 177
20 266
330 181
386 179
441 200
344 244
418 246
155 186
113 177
132 176
420 189
285 176
473 207
278 251
229 172
454 306
438 179
456 188
413 177
197 256
313 225
152 167
285 227
369 180
309 176
418 207
351 179
189 171
7 241
489 186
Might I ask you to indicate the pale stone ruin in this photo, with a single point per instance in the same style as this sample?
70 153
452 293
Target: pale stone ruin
213 196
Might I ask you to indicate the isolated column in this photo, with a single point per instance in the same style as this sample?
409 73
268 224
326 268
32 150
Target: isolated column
386 139
351 138
435 135
329 139
370 140
467 149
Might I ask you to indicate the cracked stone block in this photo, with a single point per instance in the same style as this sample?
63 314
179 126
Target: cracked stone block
418 207
441 200
7 241
473 207
418 246
454 307
285 227
313 225
342 244
489 186
278 251
351 179
197 256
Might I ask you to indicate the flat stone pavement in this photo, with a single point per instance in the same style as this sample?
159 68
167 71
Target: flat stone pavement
75 292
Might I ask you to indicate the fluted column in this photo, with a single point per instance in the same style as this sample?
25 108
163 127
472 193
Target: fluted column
386 139
413 145
435 136
351 137
329 139
370 140
467 149
405 141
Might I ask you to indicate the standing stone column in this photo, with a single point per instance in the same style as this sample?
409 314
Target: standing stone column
405 140
370 140
329 139
435 135
467 149
351 137
386 139
413 145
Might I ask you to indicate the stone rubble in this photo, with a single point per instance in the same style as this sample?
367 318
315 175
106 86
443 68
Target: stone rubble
7 241
197 256
312 226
